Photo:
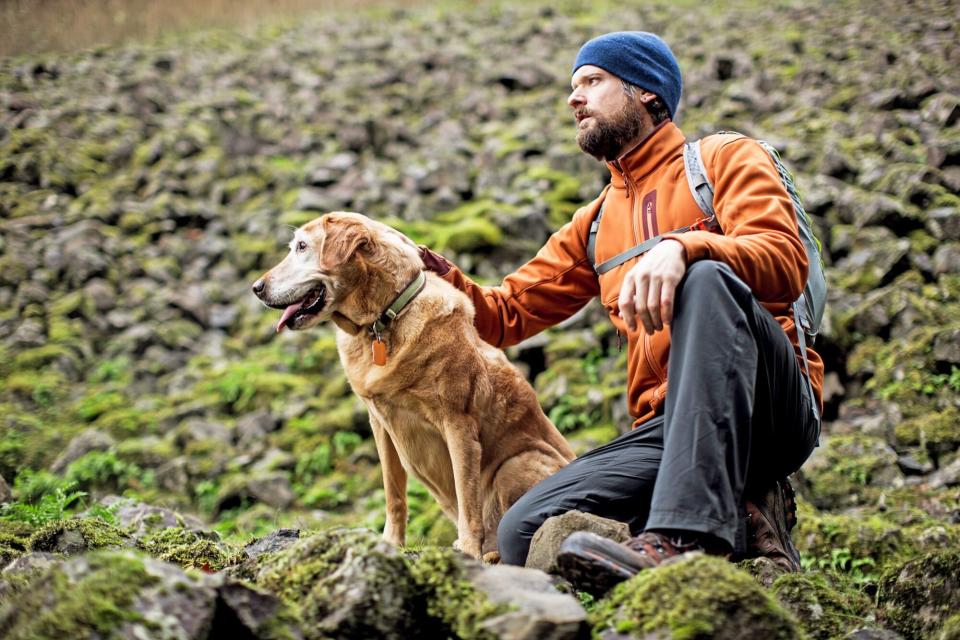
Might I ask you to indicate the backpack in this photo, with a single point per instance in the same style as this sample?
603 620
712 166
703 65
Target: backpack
807 309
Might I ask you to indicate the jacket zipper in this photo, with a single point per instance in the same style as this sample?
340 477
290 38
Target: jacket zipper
633 206
648 356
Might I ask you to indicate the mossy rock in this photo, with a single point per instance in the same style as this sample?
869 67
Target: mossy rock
950 629
919 597
695 596
189 549
939 432
451 598
849 470
345 583
77 536
823 610
93 596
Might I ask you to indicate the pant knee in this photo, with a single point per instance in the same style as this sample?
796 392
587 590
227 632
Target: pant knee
512 542
710 281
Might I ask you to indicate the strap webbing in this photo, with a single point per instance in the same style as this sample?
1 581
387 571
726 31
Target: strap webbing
408 294
700 186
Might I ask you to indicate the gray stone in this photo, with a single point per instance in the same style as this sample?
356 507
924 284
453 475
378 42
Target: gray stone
948 476
82 444
141 519
538 609
272 489
946 346
944 223
173 475
547 540
946 259
28 562
242 609
276 541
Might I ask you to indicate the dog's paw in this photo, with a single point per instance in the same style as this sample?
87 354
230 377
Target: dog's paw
393 539
491 557
469 547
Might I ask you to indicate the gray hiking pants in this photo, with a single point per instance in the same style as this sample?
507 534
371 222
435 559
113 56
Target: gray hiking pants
737 418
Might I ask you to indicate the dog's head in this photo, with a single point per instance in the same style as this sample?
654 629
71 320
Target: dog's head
329 267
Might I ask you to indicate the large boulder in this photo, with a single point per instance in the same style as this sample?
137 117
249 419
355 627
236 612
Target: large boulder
82 444
824 611
126 596
693 596
346 583
466 599
918 597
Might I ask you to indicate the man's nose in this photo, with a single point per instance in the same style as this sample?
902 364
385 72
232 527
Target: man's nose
258 286
576 99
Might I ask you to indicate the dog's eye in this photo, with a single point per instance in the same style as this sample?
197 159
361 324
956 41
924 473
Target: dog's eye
301 246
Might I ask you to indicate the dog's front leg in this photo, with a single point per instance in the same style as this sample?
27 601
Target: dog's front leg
394 484
463 443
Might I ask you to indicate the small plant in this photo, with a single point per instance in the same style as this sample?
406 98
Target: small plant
48 508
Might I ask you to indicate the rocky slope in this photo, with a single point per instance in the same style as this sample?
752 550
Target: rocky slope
143 188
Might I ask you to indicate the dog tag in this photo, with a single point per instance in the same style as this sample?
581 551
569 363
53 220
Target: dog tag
379 353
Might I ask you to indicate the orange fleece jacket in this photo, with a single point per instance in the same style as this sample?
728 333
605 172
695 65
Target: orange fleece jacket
648 195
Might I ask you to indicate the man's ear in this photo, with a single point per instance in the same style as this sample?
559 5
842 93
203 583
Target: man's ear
646 97
342 238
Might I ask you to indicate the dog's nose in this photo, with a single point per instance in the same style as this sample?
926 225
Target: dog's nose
258 286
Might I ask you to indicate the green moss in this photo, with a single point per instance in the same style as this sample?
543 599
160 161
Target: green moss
97 601
96 533
188 549
318 574
939 432
823 610
451 598
918 597
950 629
697 597
847 468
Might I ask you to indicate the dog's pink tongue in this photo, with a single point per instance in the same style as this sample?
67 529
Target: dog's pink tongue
287 313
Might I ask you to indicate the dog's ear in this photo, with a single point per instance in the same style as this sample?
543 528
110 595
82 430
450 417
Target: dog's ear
342 239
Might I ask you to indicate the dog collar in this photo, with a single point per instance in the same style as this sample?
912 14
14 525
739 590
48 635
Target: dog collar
408 294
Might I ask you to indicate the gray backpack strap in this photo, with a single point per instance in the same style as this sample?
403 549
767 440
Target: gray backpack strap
700 187
592 238
802 343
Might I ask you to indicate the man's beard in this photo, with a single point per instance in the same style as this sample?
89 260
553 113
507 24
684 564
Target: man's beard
606 139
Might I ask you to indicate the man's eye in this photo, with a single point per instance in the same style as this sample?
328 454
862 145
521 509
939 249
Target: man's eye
301 246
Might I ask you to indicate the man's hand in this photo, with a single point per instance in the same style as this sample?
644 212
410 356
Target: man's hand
433 261
648 288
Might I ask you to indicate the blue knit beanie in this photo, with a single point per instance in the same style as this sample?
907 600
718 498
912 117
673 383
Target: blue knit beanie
638 57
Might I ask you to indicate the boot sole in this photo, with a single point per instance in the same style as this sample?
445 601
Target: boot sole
592 572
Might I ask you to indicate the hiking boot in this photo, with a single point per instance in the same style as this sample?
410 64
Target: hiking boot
596 564
771 517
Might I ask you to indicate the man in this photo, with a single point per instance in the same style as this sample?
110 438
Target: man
709 452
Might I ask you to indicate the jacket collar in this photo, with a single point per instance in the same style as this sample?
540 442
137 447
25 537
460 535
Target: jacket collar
663 143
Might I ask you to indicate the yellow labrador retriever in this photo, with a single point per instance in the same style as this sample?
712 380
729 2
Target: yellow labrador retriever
444 405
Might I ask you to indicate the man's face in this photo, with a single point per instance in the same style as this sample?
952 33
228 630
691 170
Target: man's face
608 120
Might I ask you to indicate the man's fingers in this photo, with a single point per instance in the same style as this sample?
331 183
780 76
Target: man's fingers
653 304
666 301
641 300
